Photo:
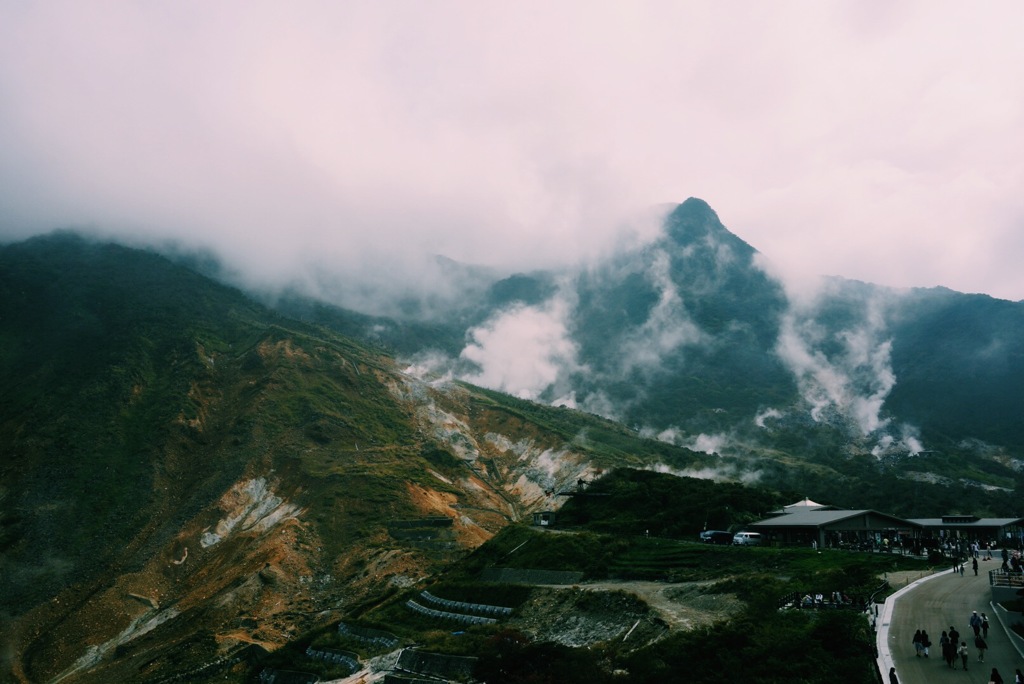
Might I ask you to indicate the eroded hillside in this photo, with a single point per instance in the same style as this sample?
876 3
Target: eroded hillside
208 478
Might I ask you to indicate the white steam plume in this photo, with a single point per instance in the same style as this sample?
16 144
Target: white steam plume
852 382
668 326
724 473
524 350
760 418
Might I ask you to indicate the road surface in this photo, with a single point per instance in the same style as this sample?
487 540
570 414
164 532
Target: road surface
934 605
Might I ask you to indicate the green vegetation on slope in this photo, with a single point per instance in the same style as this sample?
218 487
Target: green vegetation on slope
136 392
808 646
636 502
102 349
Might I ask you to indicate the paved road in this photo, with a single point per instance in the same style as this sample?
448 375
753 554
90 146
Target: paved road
934 605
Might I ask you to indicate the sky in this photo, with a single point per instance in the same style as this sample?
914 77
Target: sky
880 141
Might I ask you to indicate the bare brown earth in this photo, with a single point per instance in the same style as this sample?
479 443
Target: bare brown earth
636 612
277 548
617 614
684 605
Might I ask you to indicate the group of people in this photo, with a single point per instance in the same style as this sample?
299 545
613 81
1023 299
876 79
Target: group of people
953 648
1012 561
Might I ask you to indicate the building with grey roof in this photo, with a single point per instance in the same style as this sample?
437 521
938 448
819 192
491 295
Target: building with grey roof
807 523
1002 531
825 527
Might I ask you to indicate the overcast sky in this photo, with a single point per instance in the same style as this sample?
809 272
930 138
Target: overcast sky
877 140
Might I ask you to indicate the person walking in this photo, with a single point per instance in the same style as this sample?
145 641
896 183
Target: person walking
984 625
1018 677
982 646
892 676
963 653
918 647
974 564
995 677
975 623
948 648
926 642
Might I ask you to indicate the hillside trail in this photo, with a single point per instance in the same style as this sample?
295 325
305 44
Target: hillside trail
682 605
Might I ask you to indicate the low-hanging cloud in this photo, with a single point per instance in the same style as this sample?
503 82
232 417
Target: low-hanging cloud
525 350
667 327
519 135
713 444
528 351
723 472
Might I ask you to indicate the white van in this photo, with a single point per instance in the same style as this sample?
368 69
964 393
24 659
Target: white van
747 539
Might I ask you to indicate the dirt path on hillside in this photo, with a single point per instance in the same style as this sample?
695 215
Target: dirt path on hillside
682 605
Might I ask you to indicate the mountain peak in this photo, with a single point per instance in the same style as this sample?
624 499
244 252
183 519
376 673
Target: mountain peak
697 204
694 221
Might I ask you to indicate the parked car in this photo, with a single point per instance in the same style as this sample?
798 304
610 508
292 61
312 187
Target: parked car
716 537
747 539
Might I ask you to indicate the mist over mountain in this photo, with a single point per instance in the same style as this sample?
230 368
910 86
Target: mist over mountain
184 462
691 338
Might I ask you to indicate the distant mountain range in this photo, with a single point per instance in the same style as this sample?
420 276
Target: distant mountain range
186 470
689 339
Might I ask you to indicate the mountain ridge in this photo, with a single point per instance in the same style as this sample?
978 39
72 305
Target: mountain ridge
180 461
183 462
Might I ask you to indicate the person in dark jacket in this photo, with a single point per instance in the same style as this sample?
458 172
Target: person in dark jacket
948 648
892 676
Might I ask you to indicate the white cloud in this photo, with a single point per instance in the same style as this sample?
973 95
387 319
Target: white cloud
523 351
873 141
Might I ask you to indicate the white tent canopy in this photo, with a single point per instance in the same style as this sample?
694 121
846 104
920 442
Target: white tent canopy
805 505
